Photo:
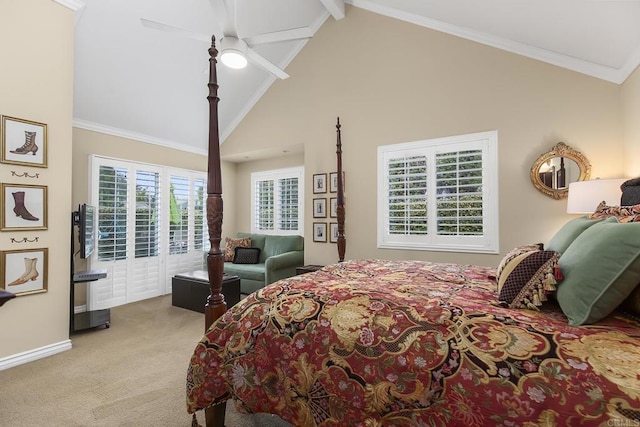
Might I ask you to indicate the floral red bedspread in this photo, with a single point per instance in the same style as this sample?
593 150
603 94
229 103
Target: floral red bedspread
373 343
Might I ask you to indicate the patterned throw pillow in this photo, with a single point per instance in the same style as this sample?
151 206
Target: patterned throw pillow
518 250
605 211
629 218
246 255
528 278
232 244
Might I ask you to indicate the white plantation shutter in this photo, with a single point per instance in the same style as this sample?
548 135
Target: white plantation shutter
407 195
179 213
147 233
112 212
277 201
188 234
138 244
264 205
439 194
145 269
200 229
459 203
287 215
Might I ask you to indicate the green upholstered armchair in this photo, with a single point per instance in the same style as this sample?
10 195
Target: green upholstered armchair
279 257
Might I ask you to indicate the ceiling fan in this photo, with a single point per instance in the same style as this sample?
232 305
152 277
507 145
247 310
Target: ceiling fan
235 51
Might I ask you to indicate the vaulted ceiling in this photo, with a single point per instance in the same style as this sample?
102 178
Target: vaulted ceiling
149 83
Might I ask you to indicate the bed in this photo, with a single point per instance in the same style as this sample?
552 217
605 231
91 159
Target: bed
376 342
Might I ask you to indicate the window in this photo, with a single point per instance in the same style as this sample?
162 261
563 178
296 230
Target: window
277 201
439 194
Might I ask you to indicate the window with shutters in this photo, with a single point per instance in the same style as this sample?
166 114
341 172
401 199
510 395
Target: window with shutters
277 201
439 194
151 225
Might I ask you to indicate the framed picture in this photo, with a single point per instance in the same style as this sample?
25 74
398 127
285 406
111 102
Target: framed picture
319 231
24 271
333 232
333 207
319 208
319 183
24 142
24 207
333 182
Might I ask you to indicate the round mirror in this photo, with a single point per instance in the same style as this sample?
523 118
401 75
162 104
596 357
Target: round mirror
554 170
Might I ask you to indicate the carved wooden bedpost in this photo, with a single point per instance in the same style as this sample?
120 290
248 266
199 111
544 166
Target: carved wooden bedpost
342 243
215 306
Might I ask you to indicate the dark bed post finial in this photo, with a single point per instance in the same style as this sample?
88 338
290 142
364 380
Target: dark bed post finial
215 306
342 243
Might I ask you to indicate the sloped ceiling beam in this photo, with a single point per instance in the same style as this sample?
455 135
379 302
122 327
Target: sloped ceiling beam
335 8
74 5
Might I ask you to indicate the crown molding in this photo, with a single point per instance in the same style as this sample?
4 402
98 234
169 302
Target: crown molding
108 130
592 69
74 5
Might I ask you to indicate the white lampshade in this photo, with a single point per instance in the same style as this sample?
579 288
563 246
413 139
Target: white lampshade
584 196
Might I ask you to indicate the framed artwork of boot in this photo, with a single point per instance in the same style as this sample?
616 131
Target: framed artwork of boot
24 207
24 271
23 142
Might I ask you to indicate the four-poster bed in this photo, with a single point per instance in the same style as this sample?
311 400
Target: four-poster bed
371 342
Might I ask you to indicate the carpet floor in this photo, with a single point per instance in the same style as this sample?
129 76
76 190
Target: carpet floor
132 374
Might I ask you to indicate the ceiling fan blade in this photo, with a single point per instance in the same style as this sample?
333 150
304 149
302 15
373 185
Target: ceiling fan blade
225 12
280 36
175 30
262 62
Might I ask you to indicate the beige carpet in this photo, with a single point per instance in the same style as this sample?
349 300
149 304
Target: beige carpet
132 374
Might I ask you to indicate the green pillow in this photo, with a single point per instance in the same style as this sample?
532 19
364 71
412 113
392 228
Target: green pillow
568 233
601 268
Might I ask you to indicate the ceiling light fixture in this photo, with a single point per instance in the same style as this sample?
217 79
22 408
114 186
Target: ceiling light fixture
234 52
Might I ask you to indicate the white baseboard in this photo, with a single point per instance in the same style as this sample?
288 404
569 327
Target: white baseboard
35 354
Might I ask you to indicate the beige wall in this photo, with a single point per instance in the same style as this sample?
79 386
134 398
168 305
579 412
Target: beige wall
392 82
36 83
631 122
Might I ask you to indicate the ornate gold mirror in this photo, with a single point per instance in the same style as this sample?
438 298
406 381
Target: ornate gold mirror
552 173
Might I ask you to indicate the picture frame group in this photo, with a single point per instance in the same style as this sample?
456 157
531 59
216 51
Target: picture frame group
323 232
23 207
